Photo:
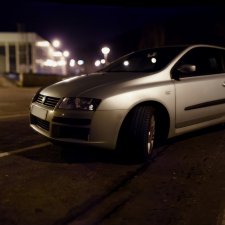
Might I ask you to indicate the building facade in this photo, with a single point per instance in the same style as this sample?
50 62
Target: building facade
26 52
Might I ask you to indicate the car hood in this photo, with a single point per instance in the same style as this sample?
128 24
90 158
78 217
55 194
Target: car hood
91 85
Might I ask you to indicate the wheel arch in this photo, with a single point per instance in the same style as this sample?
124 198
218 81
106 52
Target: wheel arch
162 117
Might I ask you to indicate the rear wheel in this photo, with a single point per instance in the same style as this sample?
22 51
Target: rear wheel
140 133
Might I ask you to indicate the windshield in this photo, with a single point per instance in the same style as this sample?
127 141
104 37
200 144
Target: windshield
148 60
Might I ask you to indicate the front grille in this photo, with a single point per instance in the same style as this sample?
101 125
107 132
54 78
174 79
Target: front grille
39 122
47 100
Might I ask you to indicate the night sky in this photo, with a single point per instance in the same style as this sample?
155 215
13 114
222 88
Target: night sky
84 27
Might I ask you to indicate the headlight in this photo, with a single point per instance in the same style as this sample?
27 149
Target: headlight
87 104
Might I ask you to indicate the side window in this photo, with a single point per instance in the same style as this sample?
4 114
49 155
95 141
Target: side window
199 62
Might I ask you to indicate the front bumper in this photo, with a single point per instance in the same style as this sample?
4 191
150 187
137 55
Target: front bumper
94 128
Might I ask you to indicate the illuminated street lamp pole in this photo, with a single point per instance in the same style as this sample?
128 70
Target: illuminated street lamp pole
105 52
64 55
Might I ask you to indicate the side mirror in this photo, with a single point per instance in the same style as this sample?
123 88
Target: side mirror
186 68
183 70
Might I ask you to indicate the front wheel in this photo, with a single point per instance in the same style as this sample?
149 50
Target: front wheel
140 132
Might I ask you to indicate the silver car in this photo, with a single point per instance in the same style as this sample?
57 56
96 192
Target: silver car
137 101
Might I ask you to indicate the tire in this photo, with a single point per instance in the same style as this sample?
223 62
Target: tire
138 136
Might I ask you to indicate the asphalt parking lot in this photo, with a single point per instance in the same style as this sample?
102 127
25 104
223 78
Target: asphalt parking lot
42 184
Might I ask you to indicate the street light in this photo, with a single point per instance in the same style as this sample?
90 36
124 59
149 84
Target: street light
56 43
80 62
72 63
66 53
102 61
97 63
105 52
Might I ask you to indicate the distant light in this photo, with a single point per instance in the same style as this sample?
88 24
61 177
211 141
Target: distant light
42 44
102 61
126 63
72 63
66 53
61 63
105 50
80 62
97 63
153 60
57 53
50 63
56 43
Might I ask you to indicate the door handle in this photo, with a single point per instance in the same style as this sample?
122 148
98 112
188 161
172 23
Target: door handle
223 84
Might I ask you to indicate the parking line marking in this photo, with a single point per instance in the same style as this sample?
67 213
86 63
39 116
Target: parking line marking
3 154
14 116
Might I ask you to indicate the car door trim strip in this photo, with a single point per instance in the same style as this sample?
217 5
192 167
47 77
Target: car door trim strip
205 104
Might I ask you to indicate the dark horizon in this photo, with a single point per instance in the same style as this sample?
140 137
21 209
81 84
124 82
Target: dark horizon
85 28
